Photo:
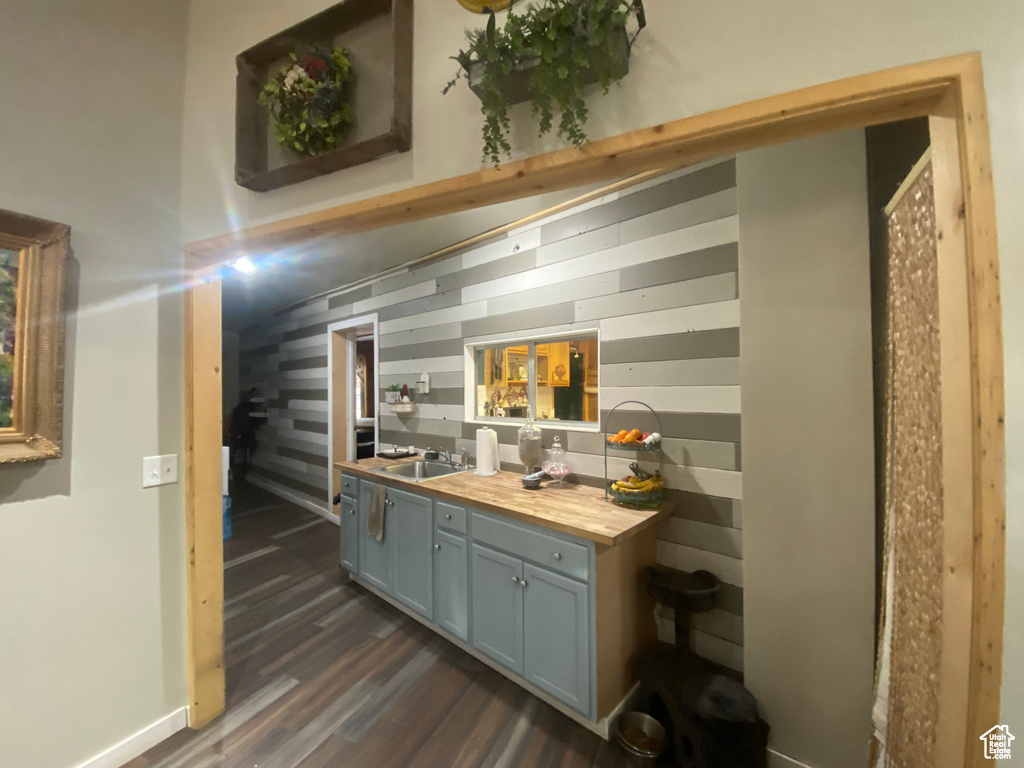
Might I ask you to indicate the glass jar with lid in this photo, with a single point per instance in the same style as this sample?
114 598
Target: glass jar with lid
529 443
557 463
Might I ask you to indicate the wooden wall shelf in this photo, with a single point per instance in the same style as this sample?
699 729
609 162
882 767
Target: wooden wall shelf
252 164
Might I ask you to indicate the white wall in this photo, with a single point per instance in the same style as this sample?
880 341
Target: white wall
693 57
91 565
808 445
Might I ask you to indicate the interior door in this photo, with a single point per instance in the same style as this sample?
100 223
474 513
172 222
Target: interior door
557 643
451 586
414 560
498 606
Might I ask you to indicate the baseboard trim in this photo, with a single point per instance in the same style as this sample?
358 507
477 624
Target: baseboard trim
779 760
629 701
283 493
139 742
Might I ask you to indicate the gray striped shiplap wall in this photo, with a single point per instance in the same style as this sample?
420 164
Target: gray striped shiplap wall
653 267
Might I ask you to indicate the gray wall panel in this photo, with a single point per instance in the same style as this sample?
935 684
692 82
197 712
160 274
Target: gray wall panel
590 242
356 294
604 284
540 317
715 206
692 453
701 290
720 342
711 371
261 351
492 270
417 306
420 441
285 395
686 266
421 335
422 350
442 396
808 431
442 427
706 509
716 427
320 427
298 455
689 187
420 274
319 361
285 355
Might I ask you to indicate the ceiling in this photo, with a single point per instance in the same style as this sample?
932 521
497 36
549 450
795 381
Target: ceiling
289 276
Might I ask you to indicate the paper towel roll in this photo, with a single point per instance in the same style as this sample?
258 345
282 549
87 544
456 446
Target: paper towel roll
486 452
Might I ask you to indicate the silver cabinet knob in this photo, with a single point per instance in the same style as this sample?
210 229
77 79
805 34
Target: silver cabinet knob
437 546
389 502
351 511
447 517
515 579
523 583
558 556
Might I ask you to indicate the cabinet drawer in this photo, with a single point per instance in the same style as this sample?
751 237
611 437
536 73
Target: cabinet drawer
554 553
349 486
450 516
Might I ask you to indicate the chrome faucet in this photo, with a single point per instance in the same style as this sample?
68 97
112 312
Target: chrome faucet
445 455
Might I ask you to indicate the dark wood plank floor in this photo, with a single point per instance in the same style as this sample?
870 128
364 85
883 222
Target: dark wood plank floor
323 674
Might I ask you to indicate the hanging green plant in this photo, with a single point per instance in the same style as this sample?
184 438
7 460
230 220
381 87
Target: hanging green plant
556 49
307 103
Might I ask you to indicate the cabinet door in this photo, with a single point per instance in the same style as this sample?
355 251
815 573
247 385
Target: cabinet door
414 560
451 592
375 556
557 640
349 525
498 606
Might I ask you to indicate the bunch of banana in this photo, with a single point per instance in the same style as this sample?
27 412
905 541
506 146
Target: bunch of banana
633 484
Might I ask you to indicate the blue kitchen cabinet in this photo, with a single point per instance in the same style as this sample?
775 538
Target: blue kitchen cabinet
519 594
411 533
557 638
498 606
451 585
349 525
374 556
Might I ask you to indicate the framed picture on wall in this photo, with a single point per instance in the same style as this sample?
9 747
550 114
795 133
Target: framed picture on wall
33 253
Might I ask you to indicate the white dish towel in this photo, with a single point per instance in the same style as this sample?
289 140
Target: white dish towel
375 520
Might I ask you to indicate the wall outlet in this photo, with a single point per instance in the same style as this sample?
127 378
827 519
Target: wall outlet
159 470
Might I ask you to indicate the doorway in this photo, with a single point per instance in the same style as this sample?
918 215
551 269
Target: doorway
353 426
950 90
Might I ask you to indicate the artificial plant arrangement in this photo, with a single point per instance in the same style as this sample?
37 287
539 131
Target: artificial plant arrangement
307 102
393 393
565 44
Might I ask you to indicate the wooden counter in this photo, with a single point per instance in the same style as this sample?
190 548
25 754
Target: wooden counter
578 510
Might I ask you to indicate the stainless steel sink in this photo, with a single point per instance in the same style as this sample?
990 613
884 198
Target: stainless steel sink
422 470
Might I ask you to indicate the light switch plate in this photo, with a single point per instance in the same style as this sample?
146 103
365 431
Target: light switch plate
159 470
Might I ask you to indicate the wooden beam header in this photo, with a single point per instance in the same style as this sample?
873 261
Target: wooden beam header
880 97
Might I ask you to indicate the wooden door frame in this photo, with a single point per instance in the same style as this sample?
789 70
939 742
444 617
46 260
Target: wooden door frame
950 88
351 324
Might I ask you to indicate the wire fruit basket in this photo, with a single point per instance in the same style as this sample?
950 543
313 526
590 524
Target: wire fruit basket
645 498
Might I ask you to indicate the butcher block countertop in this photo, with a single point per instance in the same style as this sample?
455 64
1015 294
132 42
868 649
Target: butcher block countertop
578 510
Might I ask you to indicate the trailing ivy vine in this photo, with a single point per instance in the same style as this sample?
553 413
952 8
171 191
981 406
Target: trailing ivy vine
560 42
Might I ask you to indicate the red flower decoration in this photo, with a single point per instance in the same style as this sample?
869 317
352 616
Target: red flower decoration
315 66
